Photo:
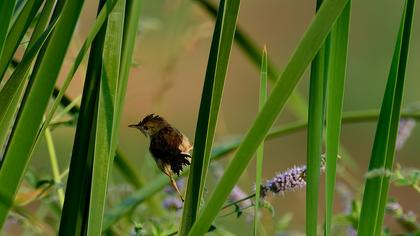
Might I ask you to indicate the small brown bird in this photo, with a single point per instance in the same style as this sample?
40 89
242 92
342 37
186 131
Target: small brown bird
168 146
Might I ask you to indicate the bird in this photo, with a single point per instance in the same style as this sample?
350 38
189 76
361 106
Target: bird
169 147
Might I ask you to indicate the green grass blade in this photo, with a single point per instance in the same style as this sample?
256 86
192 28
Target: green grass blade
131 22
296 102
6 12
12 92
102 16
334 103
396 112
54 165
17 153
209 108
314 139
129 39
42 23
260 150
316 111
376 188
17 31
77 200
305 52
105 119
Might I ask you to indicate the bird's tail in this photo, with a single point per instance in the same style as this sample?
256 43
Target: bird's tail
177 164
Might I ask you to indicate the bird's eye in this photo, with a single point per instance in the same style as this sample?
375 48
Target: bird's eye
146 128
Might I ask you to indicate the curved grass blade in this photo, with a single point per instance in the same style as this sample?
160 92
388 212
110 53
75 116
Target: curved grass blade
305 52
209 108
382 157
335 91
17 31
6 12
12 92
17 153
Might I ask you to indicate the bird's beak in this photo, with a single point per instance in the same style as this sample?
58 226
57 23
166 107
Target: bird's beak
137 126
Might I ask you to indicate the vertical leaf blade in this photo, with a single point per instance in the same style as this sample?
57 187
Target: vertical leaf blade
77 200
105 119
260 150
382 157
316 110
209 108
335 91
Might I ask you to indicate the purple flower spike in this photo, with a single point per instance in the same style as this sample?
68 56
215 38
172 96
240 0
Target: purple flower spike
290 180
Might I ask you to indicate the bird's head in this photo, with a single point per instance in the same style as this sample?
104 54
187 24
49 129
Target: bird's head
150 125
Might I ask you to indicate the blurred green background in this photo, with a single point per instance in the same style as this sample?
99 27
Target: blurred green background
168 73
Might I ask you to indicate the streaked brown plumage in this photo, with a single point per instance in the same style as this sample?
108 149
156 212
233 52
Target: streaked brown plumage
168 146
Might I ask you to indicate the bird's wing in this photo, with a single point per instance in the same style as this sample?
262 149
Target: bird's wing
165 143
168 144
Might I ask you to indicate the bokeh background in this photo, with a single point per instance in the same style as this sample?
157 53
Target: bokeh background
170 60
